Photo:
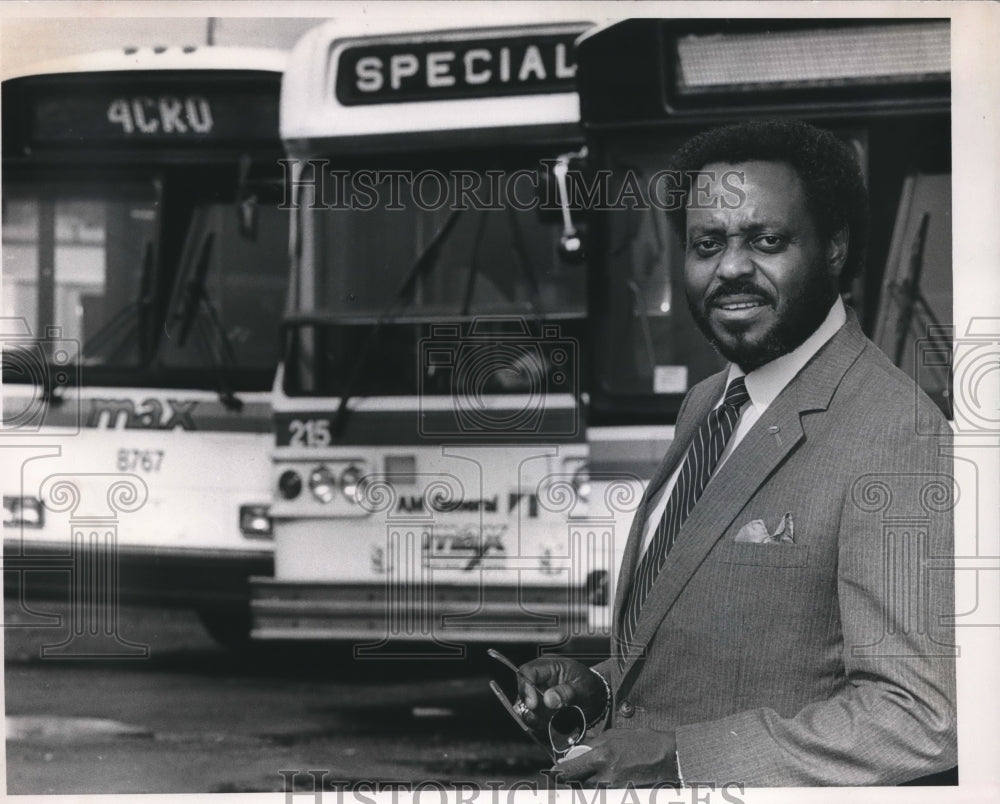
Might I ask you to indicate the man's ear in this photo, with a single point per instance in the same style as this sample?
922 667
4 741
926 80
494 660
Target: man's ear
836 250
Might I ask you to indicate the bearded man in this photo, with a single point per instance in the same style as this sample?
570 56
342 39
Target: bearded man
783 605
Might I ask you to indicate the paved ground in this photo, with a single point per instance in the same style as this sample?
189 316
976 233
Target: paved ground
193 718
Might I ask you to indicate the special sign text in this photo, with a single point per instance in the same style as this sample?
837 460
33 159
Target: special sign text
392 73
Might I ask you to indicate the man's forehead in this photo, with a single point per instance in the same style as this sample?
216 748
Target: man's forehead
755 191
759 175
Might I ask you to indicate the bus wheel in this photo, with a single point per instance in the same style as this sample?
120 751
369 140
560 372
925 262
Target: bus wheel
228 626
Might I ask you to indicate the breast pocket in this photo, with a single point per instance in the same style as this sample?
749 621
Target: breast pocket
762 555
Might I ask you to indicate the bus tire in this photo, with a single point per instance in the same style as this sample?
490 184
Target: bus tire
229 626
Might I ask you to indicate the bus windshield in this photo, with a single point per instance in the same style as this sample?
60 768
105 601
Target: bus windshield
77 259
153 289
396 252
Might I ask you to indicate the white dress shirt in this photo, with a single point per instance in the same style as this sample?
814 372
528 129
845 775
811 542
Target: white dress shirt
763 385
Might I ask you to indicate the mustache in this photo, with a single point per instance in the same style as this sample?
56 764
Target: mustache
737 287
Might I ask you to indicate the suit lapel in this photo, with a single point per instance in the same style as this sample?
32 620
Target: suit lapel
763 449
703 397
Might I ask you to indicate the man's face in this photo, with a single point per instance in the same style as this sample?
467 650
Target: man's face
759 277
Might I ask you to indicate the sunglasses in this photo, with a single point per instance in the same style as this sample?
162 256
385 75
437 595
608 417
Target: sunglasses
566 728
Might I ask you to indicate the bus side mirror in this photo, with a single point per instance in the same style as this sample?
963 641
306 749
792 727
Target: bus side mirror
571 247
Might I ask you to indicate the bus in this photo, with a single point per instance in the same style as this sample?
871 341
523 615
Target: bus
487 342
883 86
144 275
431 480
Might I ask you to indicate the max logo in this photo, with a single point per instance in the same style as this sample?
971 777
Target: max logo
468 545
150 414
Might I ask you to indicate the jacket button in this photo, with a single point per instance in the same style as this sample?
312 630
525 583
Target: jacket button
626 709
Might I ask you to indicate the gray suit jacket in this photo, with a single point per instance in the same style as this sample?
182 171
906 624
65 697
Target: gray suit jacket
829 661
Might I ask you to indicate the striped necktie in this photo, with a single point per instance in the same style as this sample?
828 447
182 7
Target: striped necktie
701 459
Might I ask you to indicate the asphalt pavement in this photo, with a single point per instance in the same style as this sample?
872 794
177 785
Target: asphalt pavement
183 715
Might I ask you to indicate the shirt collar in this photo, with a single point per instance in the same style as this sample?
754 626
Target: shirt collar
765 383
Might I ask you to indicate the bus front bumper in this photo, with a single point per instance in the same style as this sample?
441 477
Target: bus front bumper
382 612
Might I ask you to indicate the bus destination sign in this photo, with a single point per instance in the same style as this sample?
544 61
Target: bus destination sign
167 114
155 115
473 68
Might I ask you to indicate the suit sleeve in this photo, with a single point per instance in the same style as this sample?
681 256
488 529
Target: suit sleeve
893 719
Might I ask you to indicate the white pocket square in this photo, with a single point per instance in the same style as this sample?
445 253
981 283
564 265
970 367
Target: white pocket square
756 532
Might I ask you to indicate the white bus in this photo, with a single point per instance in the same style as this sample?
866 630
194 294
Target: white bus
145 266
431 477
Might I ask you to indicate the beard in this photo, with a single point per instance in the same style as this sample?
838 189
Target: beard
800 318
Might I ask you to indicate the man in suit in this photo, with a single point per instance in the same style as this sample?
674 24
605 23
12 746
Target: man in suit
782 609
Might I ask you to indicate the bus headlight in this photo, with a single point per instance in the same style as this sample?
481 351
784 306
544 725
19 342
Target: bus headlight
349 480
322 484
290 484
255 521
25 511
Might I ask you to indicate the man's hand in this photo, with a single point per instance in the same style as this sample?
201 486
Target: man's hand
562 682
621 756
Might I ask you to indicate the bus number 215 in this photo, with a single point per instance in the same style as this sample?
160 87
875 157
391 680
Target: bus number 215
309 433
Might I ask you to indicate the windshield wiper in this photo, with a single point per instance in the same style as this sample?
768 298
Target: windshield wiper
420 266
129 319
195 297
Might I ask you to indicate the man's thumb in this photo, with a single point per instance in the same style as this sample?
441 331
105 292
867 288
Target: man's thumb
557 697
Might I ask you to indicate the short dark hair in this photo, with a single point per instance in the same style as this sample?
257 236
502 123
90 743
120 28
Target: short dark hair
827 166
